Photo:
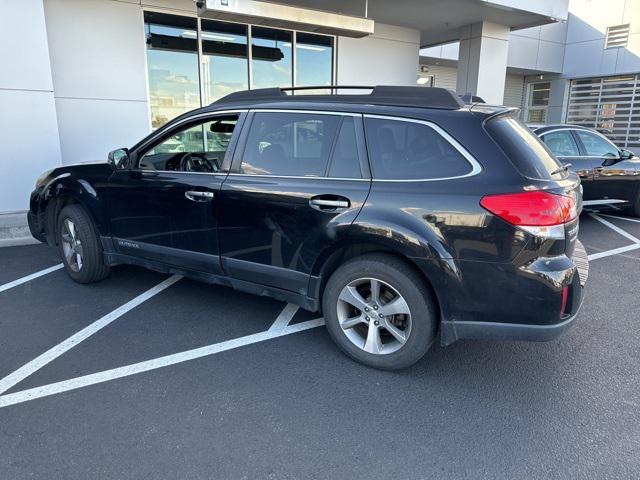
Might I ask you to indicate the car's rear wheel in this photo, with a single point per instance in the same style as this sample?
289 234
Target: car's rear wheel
378 310
79 246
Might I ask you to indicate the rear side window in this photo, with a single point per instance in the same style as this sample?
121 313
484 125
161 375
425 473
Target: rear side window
406 150
289 144
525 150
561 143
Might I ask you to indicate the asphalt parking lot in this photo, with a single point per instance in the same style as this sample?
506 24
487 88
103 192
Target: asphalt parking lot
149 376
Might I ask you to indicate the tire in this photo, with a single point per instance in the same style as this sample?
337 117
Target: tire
634 208
91 267
351 332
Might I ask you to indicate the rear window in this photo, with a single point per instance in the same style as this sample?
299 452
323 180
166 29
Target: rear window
525 150
408 150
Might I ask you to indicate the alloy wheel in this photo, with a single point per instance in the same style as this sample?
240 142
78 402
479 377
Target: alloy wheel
71 245
374 316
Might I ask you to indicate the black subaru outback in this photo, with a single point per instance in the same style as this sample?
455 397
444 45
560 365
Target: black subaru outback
399 214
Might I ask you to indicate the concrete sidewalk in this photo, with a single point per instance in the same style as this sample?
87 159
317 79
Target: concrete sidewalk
14 230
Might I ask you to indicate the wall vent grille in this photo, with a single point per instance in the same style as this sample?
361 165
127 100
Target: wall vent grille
617 36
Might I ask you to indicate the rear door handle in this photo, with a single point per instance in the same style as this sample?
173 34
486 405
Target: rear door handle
329 204
196 196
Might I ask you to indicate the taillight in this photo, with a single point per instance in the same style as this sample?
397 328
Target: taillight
540 213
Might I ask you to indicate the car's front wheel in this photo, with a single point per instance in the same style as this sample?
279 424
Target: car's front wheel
634 208
379 311
79 246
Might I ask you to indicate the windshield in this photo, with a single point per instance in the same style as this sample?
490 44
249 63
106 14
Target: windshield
525 150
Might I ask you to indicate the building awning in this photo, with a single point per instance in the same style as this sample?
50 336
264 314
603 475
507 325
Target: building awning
287 16
439 21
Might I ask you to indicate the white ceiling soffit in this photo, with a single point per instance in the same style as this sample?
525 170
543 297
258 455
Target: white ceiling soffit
439 21
287 16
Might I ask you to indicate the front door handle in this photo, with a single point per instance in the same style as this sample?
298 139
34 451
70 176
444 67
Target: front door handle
329 204
196 196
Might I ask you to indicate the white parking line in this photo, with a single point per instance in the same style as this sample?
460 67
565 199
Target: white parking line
615 228
602 202
28 278
626 219
173 359
284 318
615 251
36 364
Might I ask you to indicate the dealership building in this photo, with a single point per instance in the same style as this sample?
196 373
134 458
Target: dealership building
80 78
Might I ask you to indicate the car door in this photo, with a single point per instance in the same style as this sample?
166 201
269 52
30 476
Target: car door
610 179
297 182
163 206
564 147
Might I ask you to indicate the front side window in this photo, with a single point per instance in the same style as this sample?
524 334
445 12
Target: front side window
403 150
289 144
561 143
596 146
196 148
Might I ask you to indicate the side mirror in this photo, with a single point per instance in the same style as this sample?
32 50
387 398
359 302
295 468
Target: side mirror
119 158
626 154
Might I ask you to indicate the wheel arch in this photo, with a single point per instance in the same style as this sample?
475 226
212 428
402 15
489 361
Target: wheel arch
57 197
339 253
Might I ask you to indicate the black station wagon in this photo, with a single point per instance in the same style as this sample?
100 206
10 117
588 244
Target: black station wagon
401 215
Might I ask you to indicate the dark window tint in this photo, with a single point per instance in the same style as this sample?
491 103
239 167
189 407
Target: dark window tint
525 150
596 145
409 150
561 143
344 161
296 144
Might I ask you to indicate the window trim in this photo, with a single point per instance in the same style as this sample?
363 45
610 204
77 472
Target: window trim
476 168
234 170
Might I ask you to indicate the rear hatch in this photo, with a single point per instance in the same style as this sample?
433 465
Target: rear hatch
552 195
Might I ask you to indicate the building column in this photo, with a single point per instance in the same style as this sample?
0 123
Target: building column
482 61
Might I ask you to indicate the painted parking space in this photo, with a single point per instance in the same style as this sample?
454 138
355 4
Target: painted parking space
18 262
186 316
230 400
43 312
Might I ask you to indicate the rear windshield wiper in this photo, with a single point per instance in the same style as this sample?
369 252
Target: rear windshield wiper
561 169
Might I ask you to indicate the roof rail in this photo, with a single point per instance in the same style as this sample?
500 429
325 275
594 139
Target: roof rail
430 97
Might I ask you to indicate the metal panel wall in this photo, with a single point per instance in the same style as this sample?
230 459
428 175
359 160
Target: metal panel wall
608 104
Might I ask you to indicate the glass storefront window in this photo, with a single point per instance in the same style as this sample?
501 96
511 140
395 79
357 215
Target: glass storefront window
314 58
224 59
184 74
172 61
271 57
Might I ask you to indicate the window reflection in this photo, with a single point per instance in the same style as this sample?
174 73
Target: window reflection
314 54
224 59
172 59
271 57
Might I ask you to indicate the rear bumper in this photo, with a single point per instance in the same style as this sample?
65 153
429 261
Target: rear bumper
545 328
506 331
